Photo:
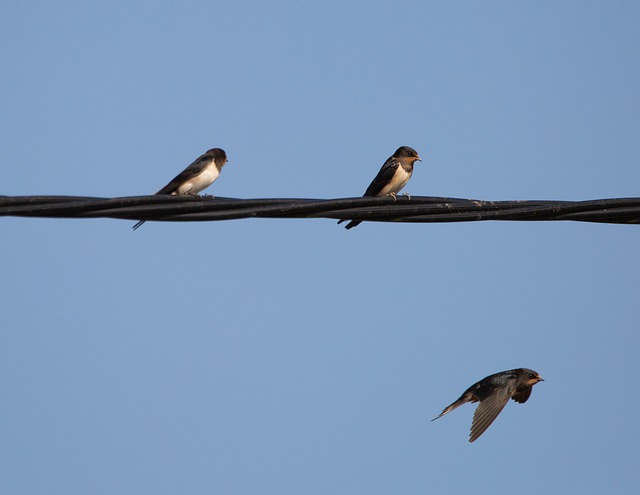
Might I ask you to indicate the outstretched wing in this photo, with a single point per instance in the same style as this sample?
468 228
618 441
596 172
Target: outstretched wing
522 394
489 409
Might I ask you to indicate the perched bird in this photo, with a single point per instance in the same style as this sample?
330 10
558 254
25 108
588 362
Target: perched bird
493 393
392 177
196 177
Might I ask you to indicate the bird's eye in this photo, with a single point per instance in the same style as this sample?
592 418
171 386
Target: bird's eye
531 375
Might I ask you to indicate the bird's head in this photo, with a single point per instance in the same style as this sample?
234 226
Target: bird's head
531 377
218 155
407 153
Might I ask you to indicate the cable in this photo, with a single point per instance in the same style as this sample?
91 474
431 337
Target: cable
414 209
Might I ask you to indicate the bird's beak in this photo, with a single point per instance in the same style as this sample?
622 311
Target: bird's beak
540 379
418 159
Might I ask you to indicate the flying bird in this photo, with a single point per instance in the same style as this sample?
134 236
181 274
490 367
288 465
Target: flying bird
392 177
196 177
493 392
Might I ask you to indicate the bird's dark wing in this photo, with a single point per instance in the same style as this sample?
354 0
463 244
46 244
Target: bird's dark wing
384 176
522 394
191 171
489 409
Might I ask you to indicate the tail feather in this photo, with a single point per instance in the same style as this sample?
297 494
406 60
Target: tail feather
351 224
138 225
451 407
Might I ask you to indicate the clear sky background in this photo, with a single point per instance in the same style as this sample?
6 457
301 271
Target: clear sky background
292 356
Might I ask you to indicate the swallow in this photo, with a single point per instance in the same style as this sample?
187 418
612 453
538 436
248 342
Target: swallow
493 392
196 177
392 177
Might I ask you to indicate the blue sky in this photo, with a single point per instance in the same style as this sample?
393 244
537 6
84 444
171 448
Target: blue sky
292 356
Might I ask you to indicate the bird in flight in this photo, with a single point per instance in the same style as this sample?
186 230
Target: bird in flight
493 392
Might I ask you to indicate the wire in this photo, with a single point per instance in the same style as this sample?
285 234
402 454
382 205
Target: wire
415 209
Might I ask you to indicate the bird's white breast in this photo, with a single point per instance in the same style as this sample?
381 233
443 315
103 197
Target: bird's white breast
200 181
397 182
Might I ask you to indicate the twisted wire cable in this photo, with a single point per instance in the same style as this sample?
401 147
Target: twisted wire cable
414 209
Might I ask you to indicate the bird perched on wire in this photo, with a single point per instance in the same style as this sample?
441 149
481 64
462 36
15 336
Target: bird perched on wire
196 177
392 177
493 392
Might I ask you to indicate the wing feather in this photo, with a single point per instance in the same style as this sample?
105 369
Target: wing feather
522 394
385 175
188 173
489 409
